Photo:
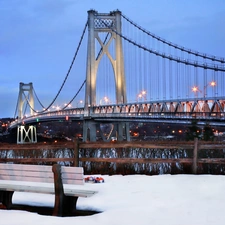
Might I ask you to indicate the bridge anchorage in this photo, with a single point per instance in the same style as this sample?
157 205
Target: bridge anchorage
104 23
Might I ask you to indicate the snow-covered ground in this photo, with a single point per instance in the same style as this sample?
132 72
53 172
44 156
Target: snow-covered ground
137 199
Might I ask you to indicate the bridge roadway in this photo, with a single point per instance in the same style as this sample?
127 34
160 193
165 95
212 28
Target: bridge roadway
210 110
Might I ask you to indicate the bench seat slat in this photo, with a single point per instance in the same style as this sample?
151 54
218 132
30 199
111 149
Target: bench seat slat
70 190
80 193
75 182
27 188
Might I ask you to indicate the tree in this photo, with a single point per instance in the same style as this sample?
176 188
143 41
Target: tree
193 132
208 133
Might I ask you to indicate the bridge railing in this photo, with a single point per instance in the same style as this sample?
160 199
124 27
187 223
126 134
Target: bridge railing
214 116
187 115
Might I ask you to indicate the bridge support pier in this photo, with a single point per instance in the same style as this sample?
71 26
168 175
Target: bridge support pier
89 130
118 131
123 131
26 134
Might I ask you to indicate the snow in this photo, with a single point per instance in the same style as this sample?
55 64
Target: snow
136 199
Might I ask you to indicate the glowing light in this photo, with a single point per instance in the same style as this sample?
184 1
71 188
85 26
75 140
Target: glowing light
142 94
195 89
105 100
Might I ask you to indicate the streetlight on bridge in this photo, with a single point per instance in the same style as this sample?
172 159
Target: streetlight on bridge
141 95
104 100
67 105
195 89
79 103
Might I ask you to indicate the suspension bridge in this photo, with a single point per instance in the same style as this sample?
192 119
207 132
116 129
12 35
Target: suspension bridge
122 72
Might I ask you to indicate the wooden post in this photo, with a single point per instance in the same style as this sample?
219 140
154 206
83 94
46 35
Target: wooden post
195 157
76 152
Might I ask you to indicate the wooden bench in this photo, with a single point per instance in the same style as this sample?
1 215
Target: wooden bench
64 182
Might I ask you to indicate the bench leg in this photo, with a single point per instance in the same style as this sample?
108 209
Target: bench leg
6 198
64 205
69 205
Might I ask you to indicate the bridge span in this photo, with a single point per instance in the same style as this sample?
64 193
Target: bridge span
182 111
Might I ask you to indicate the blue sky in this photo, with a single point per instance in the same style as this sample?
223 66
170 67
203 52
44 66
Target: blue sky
38 38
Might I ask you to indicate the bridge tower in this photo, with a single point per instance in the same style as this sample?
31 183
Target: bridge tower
26 134
25 95
107 23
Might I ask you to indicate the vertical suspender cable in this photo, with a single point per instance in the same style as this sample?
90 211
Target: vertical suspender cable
222 89
164 77
158 79
170 80
215 89
139 70
205 92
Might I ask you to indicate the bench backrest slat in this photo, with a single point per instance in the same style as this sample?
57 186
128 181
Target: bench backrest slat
25 173
24 167
28 179
32 173
40 173
72 175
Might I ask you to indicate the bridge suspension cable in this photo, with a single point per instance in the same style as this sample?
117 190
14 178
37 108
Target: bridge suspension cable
38 99
27 104
204 65
189 51
27 100
68 72
66 105
74 96
17 104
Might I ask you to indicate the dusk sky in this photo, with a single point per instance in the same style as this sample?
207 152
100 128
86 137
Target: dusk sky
38 38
